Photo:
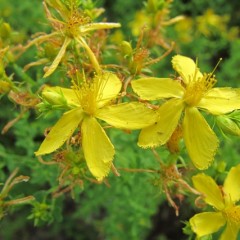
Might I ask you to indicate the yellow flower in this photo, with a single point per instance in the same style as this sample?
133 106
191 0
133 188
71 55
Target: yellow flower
223 200
73 26
210 23
189 93
140 20
89 101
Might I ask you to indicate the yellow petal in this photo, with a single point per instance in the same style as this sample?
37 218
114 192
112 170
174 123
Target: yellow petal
230 232
58 58
221 100
207 223
232 184
161 131
61 131
157 88
97 26
70 96
97 148
210 190
133 115
186 68
109 88
199 138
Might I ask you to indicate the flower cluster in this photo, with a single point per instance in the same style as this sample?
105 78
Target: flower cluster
184 98
93 96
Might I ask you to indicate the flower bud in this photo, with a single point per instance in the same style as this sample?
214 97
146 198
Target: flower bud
126 49
54 96
154 5
5 30
221 166
227 125
5 86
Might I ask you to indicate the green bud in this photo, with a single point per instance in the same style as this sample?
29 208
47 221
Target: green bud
221 166
227 125
71 156
40 105
235 116
126 48
154 5
5 30
5 87
76 170
54 96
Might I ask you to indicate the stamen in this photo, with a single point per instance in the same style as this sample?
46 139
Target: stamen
211 74
198 86
233 214
76 20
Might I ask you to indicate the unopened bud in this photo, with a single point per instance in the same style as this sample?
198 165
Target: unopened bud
227 125
5 86
154 5
5 30
54 96
221 166
126 48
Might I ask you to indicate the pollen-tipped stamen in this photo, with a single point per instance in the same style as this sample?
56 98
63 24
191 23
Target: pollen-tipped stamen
233 214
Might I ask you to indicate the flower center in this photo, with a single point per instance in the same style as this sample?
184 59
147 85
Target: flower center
88 98
89 94
197 87
76 20
233 214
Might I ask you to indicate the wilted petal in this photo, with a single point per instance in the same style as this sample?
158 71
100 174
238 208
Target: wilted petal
221 100
207 223
199 138
58 58
210 190
133 115
108 89
161 131
157 88
97 148
61 131
186 68
232 184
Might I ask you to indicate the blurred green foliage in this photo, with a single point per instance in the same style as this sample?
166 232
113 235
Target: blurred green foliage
131 207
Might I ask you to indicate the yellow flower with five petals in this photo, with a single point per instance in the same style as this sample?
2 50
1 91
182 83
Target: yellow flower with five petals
185 96
224 202
88 102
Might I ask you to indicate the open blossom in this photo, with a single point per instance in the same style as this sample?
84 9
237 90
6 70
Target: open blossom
191 92
88 102
224 199
73 26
